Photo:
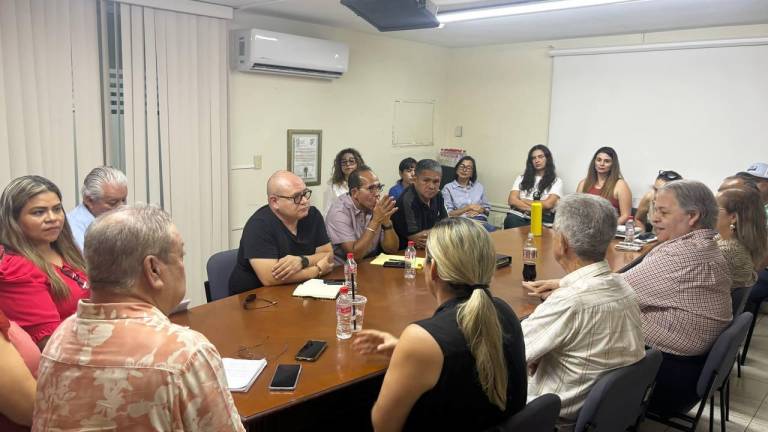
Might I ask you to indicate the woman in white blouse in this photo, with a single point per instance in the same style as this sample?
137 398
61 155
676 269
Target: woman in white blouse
540 179
344 163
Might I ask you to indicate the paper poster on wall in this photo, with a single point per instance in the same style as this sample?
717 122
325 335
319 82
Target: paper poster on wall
304 154
413 123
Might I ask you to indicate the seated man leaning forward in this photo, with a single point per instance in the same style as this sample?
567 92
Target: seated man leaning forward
120 364
590 324
284 241
684 290
421 205
359 222
104 188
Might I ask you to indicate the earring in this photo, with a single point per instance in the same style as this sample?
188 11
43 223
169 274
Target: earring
732 227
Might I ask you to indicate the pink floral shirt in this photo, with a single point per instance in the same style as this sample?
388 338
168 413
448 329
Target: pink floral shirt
125 366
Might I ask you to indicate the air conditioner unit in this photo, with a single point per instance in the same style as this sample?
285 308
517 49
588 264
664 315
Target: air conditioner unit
279 53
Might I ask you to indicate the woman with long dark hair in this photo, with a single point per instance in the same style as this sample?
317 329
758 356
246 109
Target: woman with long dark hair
604 179
42 275
539 180
465 196
346 161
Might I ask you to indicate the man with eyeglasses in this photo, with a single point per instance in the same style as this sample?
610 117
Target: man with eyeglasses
421 205
284 241
104 188
359 221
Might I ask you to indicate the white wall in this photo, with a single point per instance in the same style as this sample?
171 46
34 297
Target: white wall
354 111
499 94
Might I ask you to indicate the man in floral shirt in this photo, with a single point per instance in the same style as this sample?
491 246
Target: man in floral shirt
119 363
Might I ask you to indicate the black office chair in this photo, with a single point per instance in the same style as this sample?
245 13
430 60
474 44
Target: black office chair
714 377
618 399
739 298
219 267
540 415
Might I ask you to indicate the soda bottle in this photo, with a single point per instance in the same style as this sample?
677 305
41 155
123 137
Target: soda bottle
629 230
350 273
410 260
529 259
343 314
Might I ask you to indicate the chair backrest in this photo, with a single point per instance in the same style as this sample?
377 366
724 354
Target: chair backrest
616 400
739 299
540 415
219 268
722 355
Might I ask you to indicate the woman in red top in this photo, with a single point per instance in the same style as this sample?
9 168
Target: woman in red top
604 179
42 274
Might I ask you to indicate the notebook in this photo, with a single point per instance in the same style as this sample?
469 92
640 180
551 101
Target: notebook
242 373
382 258
317 288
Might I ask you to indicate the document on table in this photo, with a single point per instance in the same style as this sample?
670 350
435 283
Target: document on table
241 373
382 258
317 288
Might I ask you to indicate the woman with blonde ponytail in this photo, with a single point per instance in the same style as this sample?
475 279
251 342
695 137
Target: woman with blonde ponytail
42 273
463 368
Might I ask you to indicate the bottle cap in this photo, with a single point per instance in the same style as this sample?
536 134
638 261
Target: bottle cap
350 255
343 289
411 243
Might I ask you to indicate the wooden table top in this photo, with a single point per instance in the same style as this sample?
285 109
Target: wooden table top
277 332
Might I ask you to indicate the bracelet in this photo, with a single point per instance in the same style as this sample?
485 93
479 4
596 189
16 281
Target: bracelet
370 229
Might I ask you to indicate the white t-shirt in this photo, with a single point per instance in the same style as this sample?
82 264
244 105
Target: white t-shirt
556 188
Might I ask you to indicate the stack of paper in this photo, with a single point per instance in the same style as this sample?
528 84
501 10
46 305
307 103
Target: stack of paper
316 288
382 258
242 373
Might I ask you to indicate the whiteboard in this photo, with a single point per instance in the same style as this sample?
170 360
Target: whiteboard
702 112
413 123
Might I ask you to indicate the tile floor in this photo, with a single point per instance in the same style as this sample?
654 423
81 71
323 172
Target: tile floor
749 394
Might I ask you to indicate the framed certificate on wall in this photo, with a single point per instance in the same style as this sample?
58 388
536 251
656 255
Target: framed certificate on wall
305 154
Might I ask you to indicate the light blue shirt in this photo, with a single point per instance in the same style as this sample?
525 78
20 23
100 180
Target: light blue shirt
457 196
79 219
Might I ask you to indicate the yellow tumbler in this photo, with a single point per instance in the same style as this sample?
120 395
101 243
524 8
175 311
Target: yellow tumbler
536 214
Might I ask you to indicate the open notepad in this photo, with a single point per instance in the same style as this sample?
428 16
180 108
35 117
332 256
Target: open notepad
242 373
382 258
317 288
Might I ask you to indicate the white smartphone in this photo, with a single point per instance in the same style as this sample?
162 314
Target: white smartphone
286 377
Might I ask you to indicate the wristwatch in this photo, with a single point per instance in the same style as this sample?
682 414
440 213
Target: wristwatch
386 227
304 261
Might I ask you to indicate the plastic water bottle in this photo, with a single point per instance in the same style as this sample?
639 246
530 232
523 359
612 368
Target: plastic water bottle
530 253
350 272
343 314
410 260
629 230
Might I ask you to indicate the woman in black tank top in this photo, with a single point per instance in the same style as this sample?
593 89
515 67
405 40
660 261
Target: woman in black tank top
463 368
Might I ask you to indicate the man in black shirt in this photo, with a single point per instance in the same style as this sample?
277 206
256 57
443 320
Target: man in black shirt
421 205
284 241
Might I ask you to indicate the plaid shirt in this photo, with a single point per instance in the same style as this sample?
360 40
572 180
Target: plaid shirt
684 291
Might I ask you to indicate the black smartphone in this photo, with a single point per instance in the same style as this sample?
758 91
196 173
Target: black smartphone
334 281
285 378
311 350
394 263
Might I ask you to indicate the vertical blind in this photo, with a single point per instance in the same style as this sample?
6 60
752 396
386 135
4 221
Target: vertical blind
50 97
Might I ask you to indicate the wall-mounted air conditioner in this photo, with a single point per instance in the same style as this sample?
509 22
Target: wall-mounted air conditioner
279 53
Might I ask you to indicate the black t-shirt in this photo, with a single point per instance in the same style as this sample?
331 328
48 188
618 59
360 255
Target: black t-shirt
457 401
413 216
265 236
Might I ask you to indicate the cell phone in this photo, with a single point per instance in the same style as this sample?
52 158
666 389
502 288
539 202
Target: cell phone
311 350
285 378
394 263
334 281
646 236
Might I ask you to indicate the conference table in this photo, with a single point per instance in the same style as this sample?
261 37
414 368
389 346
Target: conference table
277 332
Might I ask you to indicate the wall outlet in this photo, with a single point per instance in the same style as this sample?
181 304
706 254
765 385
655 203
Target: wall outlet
257 162
458 131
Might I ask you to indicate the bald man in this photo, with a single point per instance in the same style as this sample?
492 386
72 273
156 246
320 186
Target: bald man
284 241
